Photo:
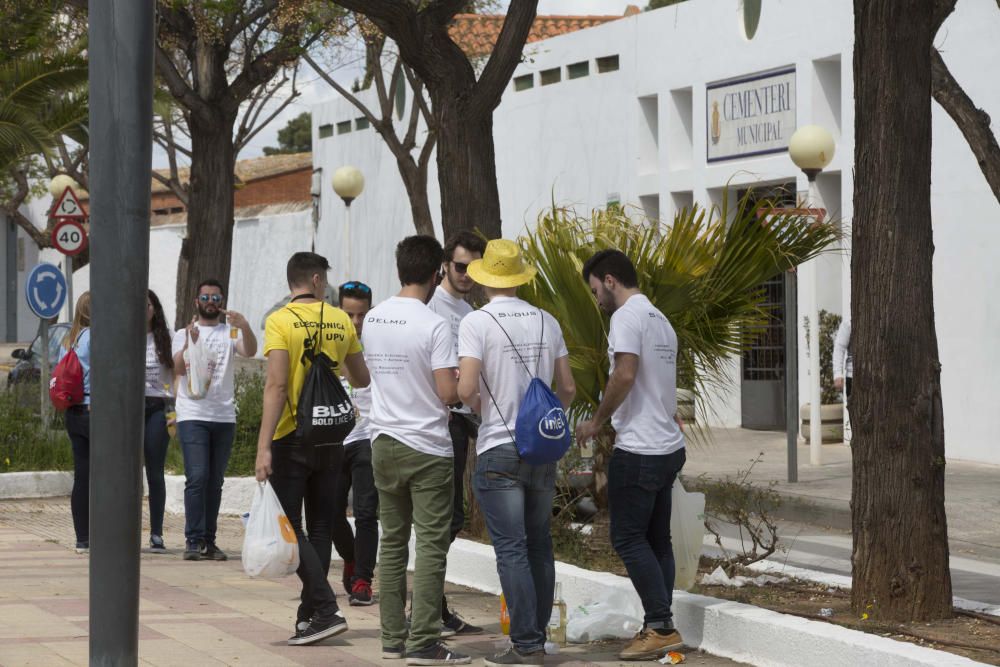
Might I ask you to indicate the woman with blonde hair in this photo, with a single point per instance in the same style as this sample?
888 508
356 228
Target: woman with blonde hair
78 424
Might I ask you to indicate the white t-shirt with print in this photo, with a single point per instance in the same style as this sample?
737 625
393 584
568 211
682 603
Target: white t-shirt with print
362 400
645 422
539 345
218 404
453 310
159 378
405 342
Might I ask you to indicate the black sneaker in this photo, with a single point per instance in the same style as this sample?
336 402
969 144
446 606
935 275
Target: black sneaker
156 544
457 626
393 652
361 594
193 549
513 658
318 630
437 654
83 547
211 552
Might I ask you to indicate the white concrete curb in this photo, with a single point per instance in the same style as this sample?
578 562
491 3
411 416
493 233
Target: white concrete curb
49 484
728 629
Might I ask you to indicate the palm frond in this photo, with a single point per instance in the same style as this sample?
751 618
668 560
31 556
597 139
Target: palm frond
703 271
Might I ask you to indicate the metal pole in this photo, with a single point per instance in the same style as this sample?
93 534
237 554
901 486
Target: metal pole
815 395
68 272
121 111
11 278
43 378
347 236
792 373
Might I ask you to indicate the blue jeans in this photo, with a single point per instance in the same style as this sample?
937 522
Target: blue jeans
206 447
639 503
154 454
516 499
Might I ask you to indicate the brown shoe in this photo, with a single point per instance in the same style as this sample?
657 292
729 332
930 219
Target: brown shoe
651 645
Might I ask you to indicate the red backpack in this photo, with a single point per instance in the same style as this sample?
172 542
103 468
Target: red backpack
66 384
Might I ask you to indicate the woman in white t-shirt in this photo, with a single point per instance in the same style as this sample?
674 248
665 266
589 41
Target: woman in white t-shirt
159 385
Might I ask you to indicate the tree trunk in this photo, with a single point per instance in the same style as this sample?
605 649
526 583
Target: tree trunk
467 173
206 251
900 531
415 180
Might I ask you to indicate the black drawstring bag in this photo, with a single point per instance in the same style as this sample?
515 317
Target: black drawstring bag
324 414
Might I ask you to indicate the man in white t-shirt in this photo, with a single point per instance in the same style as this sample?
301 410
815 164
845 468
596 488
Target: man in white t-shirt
502 347
358 550
411 357
206 426
641 401
449 302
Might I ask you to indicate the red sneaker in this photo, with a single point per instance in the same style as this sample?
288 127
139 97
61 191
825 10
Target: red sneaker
361 594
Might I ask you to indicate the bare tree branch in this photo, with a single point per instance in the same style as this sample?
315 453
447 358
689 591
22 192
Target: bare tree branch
942 9
346 94
256 127
41 237
178 188
248 20
973 122
177 85
506 56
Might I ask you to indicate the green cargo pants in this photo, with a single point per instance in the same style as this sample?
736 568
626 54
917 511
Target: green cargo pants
413 489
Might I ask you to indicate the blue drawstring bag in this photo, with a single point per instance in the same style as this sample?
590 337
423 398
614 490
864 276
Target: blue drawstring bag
541 432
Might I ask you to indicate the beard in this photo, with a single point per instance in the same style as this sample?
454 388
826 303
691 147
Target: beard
209 311
455 278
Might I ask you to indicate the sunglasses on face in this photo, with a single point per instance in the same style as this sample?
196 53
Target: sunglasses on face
214 298
353 285
460 267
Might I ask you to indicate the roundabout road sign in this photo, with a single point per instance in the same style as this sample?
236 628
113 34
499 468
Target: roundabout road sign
69 237
45 290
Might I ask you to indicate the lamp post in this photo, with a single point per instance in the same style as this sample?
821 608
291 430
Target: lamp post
57 186
811 149
348 183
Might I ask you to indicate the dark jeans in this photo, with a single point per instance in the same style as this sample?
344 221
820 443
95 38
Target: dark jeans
154 450
356 471
639 502
516 499
206 446
303 476
78 429
462 429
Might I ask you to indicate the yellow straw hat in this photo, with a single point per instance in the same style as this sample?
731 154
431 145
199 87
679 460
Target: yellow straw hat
502 266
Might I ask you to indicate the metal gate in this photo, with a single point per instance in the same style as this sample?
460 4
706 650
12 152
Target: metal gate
762 389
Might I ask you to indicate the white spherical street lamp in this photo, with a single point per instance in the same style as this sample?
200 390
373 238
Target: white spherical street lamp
348 183
60 182
811 149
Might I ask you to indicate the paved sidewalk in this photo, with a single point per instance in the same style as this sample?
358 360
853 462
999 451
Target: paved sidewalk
197 613
823 493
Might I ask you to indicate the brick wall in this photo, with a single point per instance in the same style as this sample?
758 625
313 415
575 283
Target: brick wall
288 187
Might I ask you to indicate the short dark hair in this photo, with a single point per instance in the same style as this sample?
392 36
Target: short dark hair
467 239
304 265
418 258
355 289
211 282
611 263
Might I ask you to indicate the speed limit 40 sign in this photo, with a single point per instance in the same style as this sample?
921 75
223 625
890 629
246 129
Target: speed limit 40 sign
69 237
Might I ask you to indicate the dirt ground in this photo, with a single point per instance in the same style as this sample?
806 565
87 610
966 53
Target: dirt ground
974 636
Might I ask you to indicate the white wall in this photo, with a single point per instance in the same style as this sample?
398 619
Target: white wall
578 141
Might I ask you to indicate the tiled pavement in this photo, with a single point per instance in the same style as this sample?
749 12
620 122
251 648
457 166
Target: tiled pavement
195 613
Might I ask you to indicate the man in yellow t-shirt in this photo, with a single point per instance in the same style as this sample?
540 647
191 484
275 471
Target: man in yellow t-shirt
299 474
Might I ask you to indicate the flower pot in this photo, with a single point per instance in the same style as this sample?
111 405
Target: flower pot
831 419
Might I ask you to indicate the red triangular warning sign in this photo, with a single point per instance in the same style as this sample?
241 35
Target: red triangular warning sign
68 206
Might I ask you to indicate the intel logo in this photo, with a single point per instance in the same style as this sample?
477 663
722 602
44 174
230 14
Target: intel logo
553 425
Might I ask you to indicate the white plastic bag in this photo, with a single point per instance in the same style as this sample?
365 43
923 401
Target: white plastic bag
687 531
618 617
199 375
270 548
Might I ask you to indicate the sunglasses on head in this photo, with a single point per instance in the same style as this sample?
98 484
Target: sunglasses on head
460 267
354 285
214 298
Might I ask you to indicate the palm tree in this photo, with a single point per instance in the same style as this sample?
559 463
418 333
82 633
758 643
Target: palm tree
704 272
43 89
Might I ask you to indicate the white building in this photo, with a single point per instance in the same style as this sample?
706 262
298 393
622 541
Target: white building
623 111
